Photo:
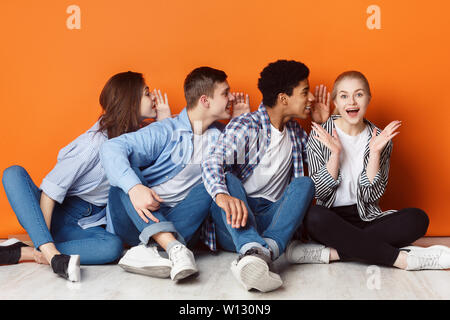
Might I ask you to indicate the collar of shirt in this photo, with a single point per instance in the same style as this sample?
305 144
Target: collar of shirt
96 127
182 122
298 138
265 122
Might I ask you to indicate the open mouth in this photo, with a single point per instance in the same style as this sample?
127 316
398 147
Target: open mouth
352 112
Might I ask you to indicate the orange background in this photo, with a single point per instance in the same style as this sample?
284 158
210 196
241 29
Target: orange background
51 77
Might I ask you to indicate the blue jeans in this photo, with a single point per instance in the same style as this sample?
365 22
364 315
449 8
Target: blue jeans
94 245
270 224
183 220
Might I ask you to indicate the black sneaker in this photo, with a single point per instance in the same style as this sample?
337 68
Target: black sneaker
10 251
66 266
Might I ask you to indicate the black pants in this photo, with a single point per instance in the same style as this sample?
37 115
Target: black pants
374 242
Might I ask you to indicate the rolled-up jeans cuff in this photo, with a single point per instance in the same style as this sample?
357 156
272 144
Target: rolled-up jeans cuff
273 246
164 226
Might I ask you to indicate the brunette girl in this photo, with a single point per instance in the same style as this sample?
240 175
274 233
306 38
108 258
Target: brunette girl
63 217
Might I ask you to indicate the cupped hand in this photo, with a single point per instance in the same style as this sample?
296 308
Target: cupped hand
320 108
241 104
162 105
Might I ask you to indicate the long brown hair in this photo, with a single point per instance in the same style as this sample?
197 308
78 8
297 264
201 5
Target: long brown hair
121 101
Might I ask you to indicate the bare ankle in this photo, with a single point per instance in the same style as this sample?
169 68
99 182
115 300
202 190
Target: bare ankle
49 251
401 262
334 255
26 254
163 239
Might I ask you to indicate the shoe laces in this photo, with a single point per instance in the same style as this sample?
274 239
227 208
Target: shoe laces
176 253
312 254
429 260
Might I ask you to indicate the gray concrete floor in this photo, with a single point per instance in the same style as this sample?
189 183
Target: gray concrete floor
337 280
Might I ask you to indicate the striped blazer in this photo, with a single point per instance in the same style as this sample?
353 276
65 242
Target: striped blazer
368 194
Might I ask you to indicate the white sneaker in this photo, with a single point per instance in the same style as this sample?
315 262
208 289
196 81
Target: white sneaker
146 260
432 258
252 271
299 252
183 262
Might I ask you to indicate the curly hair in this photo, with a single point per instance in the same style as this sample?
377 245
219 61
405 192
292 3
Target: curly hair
278 77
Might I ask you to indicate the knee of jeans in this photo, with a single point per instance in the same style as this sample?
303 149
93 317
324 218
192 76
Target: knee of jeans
113 199
109 249
304 184
117 195
12 172
231 179
114 191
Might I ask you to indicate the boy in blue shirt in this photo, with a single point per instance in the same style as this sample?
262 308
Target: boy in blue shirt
157 194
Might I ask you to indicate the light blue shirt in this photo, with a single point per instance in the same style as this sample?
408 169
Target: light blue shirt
78 171
160 150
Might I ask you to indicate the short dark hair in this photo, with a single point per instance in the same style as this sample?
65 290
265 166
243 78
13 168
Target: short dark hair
278 77
201 81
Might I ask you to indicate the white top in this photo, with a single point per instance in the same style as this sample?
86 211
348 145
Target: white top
351 163
176 189
272 175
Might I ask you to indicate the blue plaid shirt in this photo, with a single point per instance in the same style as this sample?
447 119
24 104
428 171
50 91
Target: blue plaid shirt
240 148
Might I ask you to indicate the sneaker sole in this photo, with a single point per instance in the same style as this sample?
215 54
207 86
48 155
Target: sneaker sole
153 271
255 274
73 269
182 274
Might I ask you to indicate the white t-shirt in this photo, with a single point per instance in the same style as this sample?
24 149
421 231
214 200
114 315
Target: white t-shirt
351 163
272 175
176 189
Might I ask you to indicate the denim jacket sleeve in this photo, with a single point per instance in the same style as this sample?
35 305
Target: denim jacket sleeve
135 149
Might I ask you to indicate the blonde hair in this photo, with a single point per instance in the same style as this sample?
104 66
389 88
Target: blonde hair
349 75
